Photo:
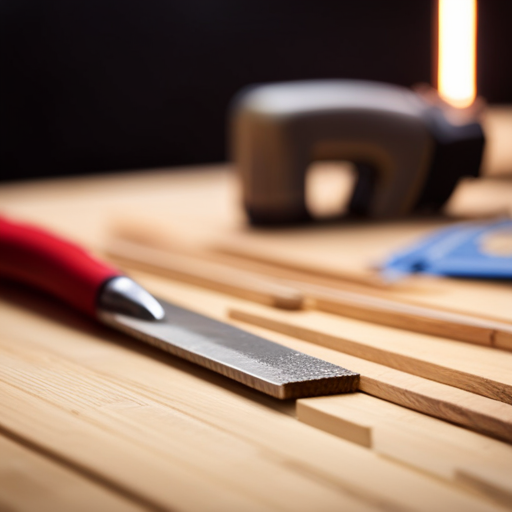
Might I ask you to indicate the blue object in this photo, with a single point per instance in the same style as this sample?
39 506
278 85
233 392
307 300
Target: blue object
454 251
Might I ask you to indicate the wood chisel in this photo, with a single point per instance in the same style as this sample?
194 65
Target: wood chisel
66 271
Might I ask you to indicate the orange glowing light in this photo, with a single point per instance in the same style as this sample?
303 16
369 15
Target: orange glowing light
457 52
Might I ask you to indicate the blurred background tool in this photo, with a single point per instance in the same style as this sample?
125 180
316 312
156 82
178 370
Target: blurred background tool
409 152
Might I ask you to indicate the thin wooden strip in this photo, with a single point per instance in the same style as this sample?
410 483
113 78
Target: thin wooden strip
149 234
211 275
473 411
133 244
31 482
480 370
410 294
243 246
403 312
347 254
244 413
387 310
234 465
417 440
408 317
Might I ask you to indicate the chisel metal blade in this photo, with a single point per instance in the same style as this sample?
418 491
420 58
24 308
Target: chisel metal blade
254 361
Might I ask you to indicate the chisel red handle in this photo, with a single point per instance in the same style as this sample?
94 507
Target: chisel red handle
40 259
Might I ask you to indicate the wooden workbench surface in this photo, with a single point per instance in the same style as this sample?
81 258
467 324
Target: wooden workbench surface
92 420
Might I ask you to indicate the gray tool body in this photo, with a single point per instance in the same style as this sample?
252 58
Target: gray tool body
409 153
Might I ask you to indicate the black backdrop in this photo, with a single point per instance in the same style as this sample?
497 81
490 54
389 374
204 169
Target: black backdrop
88 86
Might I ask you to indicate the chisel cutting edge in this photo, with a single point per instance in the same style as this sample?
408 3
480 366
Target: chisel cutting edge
38 258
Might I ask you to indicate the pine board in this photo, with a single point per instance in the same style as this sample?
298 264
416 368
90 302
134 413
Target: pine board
82 392
210 402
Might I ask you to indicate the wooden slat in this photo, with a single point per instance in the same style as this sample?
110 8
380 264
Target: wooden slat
418 440
351 472
480 370
31 482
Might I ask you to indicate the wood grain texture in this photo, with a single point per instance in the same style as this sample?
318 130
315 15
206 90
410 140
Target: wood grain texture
480 370
415 439
31 482
145 399
94 435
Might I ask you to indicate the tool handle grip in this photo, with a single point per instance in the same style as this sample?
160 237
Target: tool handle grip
40 259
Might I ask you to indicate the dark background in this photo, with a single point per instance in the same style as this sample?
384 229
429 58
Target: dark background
89 86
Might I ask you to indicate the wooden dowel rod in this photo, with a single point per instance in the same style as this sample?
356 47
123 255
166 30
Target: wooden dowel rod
133 247
410 317
211 275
